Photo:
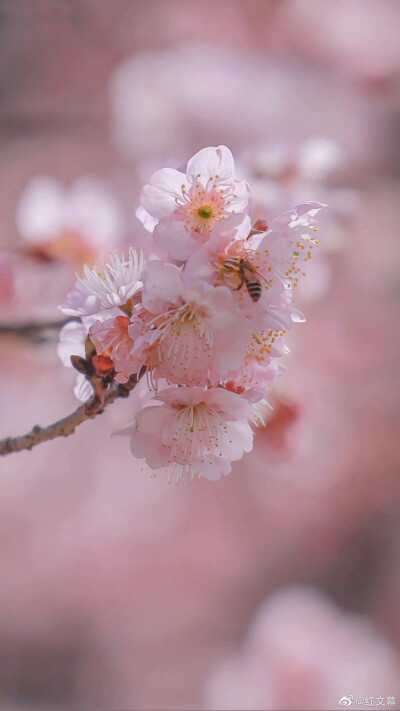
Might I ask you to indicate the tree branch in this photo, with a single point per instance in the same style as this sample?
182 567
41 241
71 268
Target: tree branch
104 395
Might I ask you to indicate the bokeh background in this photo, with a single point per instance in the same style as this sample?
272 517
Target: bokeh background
278 587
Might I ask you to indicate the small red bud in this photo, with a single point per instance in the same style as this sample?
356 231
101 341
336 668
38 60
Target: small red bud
260 225
103 365
238 389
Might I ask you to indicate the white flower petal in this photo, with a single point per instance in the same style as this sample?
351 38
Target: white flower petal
159 196
211 163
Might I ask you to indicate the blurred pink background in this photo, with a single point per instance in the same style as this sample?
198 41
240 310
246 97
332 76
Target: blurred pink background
278 587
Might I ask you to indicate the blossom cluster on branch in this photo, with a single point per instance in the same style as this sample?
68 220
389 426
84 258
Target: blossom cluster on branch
207 320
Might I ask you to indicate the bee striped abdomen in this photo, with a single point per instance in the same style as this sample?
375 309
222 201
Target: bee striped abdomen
244 272
255 289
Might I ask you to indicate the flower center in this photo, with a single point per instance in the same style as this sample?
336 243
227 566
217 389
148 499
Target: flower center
181 342
196 432
205 211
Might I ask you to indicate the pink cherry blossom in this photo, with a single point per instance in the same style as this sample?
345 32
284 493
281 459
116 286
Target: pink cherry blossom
188 206
194 431
216 323
188 333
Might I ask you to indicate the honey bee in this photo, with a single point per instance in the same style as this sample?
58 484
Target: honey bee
239 267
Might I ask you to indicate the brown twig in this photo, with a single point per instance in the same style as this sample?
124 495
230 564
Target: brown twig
104 394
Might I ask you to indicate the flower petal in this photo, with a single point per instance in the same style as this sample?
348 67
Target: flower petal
159 196
144 447
211 163
241 201
147 220
230 405
153 419
162 284
172 236
212 471
71 342
83 390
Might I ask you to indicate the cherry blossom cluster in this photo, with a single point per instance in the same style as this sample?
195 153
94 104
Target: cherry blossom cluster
205 315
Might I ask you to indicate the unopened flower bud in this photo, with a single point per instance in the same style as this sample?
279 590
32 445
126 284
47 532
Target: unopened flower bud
103 365
260 226
238 389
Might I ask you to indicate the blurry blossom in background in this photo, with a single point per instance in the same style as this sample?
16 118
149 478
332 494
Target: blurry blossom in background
69 224
283 663
279 587
60 229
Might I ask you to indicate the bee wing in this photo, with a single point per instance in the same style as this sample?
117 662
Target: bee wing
253 274
260 276
250 274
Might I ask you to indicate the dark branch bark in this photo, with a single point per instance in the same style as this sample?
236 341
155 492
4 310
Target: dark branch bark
103 396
